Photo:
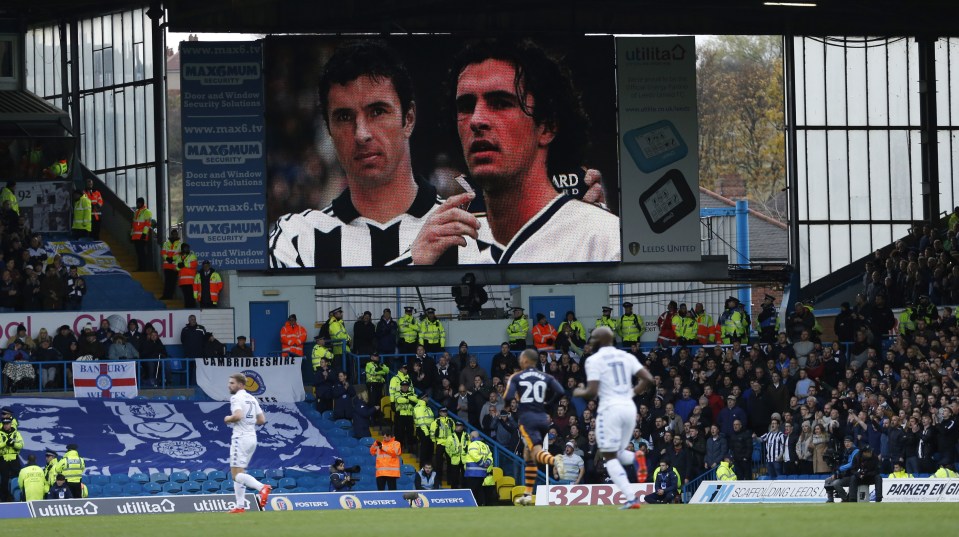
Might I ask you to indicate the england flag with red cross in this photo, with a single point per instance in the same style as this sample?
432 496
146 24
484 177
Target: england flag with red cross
105 380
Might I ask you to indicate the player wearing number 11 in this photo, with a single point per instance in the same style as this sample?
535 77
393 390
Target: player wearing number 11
530 387
609 374
246 415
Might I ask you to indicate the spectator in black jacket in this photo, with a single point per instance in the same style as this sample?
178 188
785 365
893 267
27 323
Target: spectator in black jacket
363 413
134 335
193 338
880 317
9 293
386 330
241 349
31 299
52 375
153 347
741 444
91 347
364 335
342 393
867 472
948 430
212 347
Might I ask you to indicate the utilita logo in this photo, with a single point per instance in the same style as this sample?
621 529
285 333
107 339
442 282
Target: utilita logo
656 54
214 505
66 509
145 507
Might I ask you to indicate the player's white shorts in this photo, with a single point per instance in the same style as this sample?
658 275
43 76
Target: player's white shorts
614 427
241 451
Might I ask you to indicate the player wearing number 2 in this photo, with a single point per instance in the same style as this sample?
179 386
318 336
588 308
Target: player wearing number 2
530 387
246 415
609 374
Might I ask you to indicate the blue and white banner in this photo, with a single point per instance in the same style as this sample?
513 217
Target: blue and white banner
224 163
324 501
153 436
275 379
105 380
90 257
46 205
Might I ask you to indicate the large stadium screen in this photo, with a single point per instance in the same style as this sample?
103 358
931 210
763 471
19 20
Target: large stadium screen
439 151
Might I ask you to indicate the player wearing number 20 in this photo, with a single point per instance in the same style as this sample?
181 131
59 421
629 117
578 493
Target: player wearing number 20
609 374
530 387
245 416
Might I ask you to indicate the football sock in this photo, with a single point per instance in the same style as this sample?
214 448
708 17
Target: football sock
239 489
543 457
249 481
618 475
530 479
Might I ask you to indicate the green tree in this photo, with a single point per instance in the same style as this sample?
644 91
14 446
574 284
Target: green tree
741 115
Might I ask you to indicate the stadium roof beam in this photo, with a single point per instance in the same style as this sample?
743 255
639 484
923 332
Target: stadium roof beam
711 268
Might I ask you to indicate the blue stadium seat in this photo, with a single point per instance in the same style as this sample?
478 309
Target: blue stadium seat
305 482
275 473
198 476
192 486
350 442
152 488
301 489
763 478
335 435
343 424
328 415
217 475
271 482
257 474
140 478
120 479
159 478
18 495
407 470
132 489
211 486
158 398
178 398
287 483
367 441
95 491
99 480
140 398
172 488
227 485
110 490
179 477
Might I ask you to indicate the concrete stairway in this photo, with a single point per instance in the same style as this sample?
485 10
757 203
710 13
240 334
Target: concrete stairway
150 281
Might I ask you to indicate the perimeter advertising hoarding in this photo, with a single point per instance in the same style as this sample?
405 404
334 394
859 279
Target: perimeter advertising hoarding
325 501
139 505
789 491
529 211
223 153
658 149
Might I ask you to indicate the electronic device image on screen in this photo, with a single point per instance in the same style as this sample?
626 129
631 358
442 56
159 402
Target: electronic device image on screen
668 201
655 146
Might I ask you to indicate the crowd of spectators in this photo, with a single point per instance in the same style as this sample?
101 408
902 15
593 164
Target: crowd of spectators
776 406
24 356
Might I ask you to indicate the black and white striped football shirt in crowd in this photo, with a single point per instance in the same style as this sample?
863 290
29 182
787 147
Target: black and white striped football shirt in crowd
774 443
339 236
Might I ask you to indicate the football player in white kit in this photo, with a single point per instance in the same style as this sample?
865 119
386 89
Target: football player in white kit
246 415
610 373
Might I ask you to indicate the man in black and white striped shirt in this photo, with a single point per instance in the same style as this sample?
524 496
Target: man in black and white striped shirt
366 97
774 449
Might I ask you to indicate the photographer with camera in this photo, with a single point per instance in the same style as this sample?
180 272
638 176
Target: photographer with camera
341 477
844 474
867 472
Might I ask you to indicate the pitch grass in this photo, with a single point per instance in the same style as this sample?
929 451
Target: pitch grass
850 520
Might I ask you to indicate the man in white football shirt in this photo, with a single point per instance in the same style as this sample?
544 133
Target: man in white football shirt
517 116
246 415
610 373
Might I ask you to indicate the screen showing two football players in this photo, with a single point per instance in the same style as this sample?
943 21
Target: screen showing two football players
440 151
